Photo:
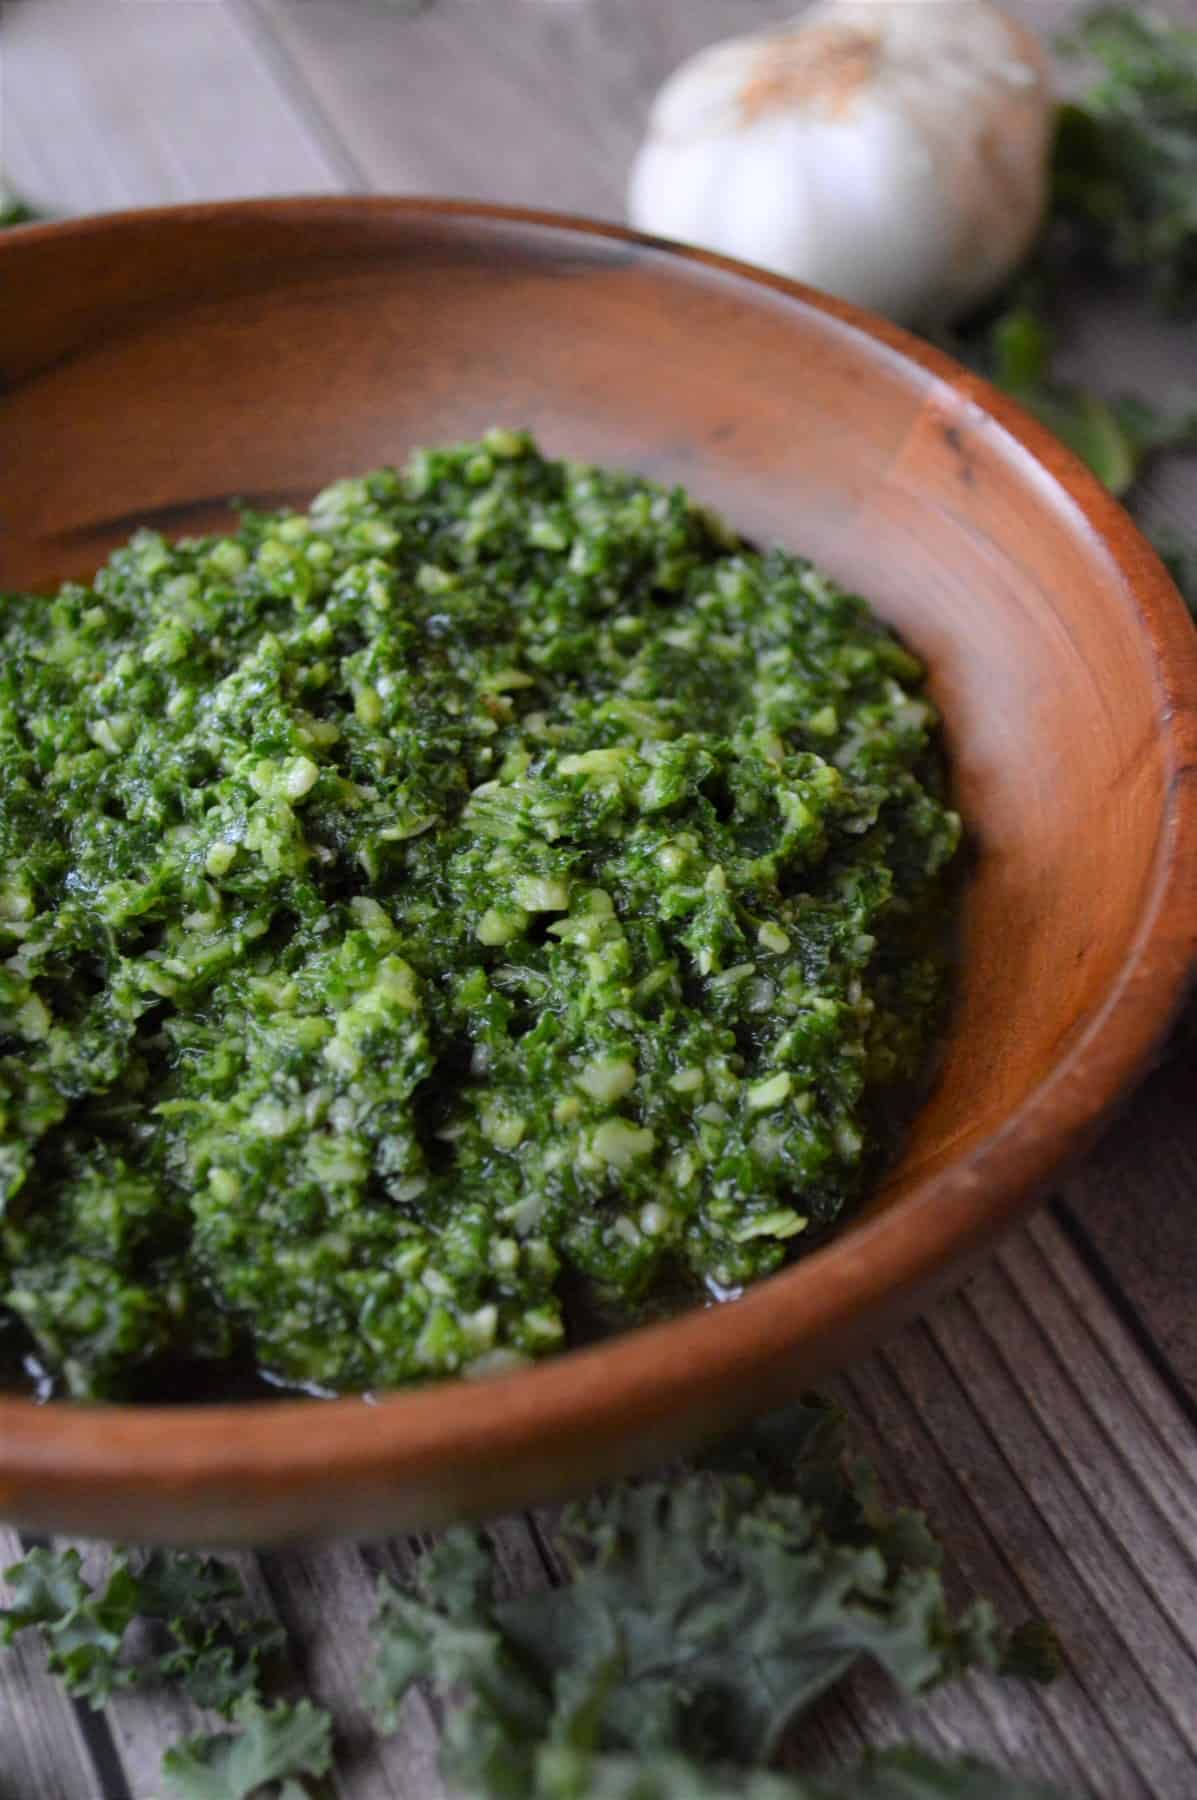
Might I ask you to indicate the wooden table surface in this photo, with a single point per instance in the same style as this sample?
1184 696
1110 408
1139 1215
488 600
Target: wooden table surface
1046 1414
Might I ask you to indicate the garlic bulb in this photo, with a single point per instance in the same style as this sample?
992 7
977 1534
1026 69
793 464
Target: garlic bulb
893 152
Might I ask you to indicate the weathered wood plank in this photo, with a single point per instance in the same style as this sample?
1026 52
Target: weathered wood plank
525 102
109 104
518 101
1060 1471
43 1743
326 1598
143 1723
918 1453
1133 1200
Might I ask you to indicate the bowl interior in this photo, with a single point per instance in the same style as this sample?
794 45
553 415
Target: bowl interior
154 367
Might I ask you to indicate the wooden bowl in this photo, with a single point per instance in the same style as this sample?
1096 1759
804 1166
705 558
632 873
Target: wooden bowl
155 364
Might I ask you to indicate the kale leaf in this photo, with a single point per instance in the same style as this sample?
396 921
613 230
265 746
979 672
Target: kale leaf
904 1774
1124 194
203 1634
273 1744
1115 437
704 1615
1125 166
13 210
83 1627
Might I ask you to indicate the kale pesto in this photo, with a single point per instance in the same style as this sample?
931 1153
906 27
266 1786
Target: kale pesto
498 883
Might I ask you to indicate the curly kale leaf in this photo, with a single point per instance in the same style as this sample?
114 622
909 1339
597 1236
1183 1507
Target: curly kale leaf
202 1632
13 210
83 1627
1115 436
218 1647
1124 190
445 1630
1125 167
904 1774
702 1618
273 1744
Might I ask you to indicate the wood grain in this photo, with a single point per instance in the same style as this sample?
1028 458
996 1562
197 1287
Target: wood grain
326 1599
1132 1204
1021 1411
143 1724
554 95
537 104
44 1750
114 103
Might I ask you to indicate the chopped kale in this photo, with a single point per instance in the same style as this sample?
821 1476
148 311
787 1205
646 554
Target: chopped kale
497 875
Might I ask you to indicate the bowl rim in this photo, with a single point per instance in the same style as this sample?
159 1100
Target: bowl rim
648 1372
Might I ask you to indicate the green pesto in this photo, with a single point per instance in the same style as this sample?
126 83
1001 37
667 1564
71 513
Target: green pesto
499 883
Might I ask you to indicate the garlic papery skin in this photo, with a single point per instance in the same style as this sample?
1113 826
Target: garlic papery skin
892 152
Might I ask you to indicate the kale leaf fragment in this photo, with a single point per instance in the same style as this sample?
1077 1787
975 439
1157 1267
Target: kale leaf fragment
272 1744
703 1617
13 210
1124 178
904 1774
203 1633
1123 202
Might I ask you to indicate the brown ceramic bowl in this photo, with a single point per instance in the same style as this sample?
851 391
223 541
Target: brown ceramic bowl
153 365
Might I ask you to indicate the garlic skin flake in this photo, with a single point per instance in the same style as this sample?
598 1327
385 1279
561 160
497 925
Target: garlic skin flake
892 152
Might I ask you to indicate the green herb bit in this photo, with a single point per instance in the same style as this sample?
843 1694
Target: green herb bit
273 1744
704 1617
1125 170
205 1636
903 1774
